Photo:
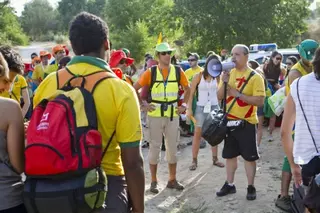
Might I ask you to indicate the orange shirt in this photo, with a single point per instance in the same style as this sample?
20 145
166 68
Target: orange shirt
145 79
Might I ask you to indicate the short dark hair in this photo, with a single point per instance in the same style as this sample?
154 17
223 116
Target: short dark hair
316 64
13 59
87 33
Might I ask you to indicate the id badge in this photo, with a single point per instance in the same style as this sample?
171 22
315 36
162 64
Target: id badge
207 107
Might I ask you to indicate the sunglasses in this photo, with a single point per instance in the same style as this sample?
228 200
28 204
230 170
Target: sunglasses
123 61
278 59
165 53
190 60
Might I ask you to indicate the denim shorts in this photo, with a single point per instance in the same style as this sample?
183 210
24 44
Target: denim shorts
200 116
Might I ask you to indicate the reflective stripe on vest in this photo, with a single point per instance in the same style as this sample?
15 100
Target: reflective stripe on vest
160 93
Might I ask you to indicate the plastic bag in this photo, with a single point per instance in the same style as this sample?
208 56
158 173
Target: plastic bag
277 101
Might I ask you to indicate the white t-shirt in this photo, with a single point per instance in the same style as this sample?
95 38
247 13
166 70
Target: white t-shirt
207 91
309 91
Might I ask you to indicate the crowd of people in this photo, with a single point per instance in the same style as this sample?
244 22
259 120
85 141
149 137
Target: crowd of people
152 108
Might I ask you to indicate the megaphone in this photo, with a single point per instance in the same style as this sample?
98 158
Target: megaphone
215 67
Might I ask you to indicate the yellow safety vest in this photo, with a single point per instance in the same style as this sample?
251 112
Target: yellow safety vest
164 94
300 69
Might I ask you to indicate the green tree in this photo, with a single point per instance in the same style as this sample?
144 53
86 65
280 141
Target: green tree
39 18
212 26
10 28
97 7
136 39
68 9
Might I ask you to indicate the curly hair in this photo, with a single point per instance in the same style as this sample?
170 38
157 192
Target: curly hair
87 33
13 59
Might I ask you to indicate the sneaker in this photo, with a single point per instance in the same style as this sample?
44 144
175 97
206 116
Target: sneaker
251 193
270 138
226 189
283 203
174 184
154 187
145 144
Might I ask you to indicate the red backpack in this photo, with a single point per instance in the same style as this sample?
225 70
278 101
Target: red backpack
64 149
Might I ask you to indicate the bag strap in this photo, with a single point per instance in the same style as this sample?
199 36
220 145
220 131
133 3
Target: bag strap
234 100
107 146
305 117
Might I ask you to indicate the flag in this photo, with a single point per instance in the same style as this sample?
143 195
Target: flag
159 38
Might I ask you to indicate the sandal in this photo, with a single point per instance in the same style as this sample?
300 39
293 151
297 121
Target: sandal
194 164
216 162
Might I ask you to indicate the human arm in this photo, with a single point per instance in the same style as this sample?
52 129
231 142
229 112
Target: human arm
293 75
26 101
186 88
288 120
144 80
193 88
15 137
129 140
224 78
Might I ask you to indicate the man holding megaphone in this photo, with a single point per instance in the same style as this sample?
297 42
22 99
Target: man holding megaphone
241 139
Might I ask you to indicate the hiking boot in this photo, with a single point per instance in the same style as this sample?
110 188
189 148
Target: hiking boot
283 203
174 184
154 187
251 193
226 189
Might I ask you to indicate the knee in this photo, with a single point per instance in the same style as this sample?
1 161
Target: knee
171 156
154 154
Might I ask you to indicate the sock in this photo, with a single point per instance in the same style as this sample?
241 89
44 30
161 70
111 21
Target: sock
230 184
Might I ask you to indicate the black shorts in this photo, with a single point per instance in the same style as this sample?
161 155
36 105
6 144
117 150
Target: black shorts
242 142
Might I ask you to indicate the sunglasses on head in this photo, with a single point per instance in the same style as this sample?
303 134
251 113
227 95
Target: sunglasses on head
165 53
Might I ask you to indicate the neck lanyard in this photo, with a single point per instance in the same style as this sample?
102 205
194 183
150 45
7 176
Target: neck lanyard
165 81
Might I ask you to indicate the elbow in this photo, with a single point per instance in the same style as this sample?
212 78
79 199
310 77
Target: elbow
260 102
133 165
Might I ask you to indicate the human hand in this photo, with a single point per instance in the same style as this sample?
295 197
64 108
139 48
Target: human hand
225 76
233 92
296 173
146 107
180 109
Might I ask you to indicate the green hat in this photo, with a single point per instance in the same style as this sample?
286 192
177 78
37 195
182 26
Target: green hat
164 47
126 51
307 49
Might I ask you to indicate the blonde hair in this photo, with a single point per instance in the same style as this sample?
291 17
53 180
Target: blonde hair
4 69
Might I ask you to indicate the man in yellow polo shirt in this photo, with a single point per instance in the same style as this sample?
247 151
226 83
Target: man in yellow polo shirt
117 111
241 140
38 72
58 53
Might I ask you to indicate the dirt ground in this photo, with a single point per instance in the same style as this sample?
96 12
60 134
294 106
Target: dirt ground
202 184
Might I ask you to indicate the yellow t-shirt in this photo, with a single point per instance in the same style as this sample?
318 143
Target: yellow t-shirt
255 87
38 73
117 109
50 69
190 73
19 84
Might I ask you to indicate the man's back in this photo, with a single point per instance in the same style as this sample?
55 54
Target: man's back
116 105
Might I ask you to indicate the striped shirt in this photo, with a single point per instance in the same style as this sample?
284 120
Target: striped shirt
309 91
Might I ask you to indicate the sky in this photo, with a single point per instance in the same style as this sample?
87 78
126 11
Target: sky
19 4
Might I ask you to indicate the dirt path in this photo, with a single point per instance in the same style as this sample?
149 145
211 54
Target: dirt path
202 184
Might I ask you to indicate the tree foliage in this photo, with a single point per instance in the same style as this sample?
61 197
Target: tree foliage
10 28
221 24
39 18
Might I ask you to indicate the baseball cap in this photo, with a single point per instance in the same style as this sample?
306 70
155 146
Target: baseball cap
117 56
196 55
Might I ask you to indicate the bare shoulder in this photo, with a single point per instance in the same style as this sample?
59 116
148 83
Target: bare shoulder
9 110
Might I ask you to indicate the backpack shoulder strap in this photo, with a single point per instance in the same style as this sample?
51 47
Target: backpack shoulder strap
178 73
65 76
153 71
